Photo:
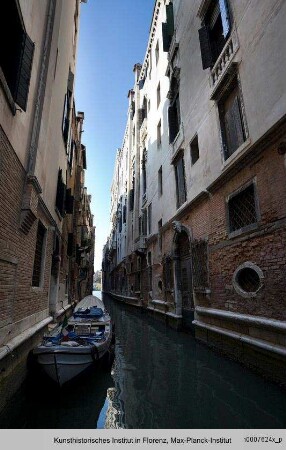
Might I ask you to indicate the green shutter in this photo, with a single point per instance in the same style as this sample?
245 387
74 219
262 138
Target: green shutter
170 19
24 72
206 52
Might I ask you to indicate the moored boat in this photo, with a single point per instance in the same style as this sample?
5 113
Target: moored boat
77 343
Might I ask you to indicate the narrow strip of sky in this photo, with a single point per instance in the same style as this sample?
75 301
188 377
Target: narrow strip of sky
113 37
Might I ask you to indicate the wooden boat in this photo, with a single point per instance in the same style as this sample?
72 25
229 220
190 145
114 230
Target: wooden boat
79 342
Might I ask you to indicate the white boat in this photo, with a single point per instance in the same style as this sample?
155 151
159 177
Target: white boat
72 347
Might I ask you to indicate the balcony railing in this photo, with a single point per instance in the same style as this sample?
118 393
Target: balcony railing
224 59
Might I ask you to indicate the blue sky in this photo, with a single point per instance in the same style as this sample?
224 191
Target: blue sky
113 37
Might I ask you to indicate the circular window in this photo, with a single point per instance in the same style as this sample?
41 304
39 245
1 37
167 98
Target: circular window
248 279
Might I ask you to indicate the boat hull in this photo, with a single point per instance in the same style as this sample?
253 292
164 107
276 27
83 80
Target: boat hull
64 364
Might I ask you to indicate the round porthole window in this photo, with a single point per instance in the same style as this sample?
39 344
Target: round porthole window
248 279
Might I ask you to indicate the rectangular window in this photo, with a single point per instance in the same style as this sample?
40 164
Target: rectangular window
150 281
39 253
144 222
180 181
61 194
160 235
242 209
157 52
17 52
174 115
231 118
195 153
214 32
150 218
159 131
160 181
158 95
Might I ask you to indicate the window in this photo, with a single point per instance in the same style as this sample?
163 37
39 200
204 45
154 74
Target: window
160 181
158 95
160 235
61 194
157 52
242 209
159 131
144 222
168 27
144 173
214 32
39 252
174 116
17 51
195 153
150 218
180 181
149 105
233 127
67 108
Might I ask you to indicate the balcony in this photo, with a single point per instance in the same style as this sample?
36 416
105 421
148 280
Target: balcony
224 62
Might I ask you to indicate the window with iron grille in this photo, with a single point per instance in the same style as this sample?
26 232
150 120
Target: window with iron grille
242 210
199 250
39 251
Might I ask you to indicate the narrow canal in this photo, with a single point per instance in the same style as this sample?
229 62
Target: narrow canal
159 379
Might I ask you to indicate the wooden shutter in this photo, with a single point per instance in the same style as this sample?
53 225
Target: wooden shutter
170 19
166 37
206 51
225 17
70 81
233 126
24 72
180 179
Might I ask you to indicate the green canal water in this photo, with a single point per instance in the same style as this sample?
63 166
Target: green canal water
159 379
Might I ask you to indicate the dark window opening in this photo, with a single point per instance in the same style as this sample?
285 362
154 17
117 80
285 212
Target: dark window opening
144 173
160 223
17 51
195 152
242 209
67 107
180 182
158 95
150 218
174 116
214 32
157 52
159 131
248 280
61 194
160 181
37 270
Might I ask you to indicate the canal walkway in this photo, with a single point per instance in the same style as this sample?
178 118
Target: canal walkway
160 379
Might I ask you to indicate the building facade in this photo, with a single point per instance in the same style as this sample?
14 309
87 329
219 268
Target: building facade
42 163
204 179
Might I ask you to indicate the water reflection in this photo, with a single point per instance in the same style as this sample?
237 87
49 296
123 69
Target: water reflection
165 379
159 379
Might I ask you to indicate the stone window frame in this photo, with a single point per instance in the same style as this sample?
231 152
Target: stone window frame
252 226
237 287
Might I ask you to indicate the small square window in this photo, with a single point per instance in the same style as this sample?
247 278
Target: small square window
195 153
